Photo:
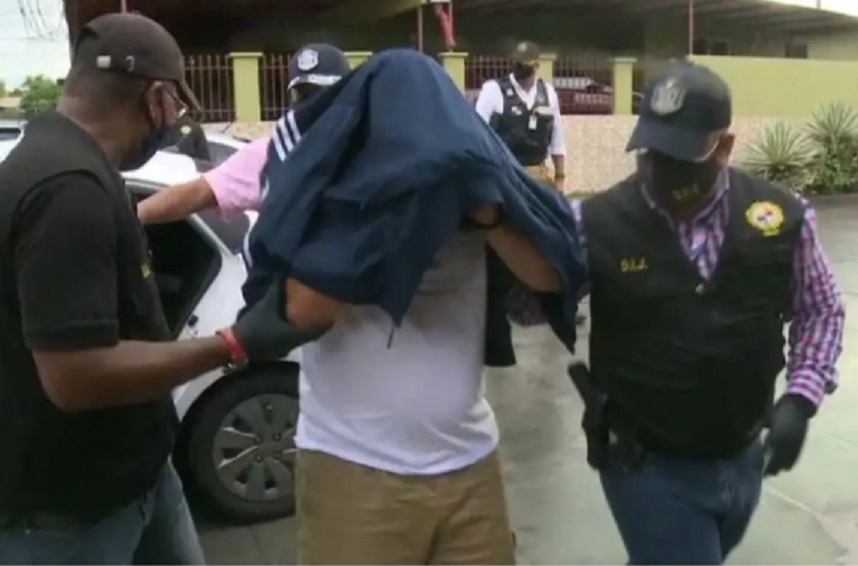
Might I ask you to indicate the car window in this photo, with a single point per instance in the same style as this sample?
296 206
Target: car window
220 152
9 133
230 232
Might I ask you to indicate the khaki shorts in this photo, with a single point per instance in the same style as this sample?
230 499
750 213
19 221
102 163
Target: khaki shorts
352 514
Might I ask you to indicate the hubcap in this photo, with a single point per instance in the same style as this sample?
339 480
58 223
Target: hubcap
254 449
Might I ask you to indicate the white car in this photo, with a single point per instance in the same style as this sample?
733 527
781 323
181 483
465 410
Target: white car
11 130
235 447
221 146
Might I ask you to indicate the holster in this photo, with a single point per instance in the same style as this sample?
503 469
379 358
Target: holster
593 422
599 421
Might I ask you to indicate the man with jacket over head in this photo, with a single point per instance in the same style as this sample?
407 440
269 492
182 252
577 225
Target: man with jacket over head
695 268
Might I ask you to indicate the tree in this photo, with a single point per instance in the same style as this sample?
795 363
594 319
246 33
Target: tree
3 91
39 94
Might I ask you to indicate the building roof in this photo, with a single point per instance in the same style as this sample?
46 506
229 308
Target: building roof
770 15
172 12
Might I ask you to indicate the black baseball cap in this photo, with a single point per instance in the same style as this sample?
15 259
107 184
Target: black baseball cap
318 64
681 110
525 52
132 44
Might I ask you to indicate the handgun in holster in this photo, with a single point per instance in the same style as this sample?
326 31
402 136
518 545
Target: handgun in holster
593 423
599 422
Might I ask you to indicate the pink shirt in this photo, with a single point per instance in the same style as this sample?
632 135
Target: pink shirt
235 182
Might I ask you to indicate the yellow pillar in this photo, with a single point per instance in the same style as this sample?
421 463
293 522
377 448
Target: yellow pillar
546 67
624 71
357 58
454 62
245 86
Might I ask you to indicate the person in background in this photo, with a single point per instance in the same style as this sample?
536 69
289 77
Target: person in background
695 269
525 112
234 186
87 365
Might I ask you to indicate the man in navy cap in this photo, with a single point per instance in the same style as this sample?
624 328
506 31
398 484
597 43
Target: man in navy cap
234 186
524 110
695 269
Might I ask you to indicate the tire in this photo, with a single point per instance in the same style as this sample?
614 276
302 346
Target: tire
232 457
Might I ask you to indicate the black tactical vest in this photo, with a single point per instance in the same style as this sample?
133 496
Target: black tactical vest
525 131
691 364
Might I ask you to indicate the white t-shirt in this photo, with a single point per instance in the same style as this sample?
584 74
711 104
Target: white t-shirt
407 400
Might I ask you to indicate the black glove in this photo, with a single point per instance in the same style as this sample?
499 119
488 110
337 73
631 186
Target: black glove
263 331
787 430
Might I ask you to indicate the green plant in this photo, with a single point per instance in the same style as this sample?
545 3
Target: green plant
833 130
781 153
39 94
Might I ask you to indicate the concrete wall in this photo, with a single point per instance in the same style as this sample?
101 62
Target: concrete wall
789 88
596 158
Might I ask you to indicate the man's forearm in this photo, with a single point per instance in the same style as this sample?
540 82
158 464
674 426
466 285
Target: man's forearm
177 202
523 259
308 308
129 373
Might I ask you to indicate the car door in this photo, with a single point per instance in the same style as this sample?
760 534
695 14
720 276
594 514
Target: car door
198 274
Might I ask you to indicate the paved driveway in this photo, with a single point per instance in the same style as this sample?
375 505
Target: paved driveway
808 516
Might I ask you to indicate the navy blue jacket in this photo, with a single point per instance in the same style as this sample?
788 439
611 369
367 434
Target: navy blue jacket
391 161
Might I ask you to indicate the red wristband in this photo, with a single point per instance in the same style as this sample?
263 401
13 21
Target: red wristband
236 350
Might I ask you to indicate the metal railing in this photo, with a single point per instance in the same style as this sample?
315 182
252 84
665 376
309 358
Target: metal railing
273 83
210 77
584 83
482 68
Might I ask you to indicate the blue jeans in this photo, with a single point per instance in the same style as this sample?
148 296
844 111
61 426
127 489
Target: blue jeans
674 511
155 529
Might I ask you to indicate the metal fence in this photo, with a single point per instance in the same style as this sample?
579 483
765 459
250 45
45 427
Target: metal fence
273 83
584 83
210 77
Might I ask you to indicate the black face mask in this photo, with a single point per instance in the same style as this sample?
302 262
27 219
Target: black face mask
158 138
674 183
522 72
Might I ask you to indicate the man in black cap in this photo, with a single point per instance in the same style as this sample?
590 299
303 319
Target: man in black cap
524 110
695 269
234 186
87 364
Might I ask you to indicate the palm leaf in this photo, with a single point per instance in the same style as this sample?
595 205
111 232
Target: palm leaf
782 154
834 127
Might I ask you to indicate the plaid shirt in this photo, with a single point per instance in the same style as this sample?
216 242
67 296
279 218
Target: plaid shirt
816 331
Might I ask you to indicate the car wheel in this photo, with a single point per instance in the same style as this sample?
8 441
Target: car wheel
240 452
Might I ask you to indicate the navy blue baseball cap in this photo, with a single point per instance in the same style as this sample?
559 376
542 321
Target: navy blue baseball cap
318 64
682 110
